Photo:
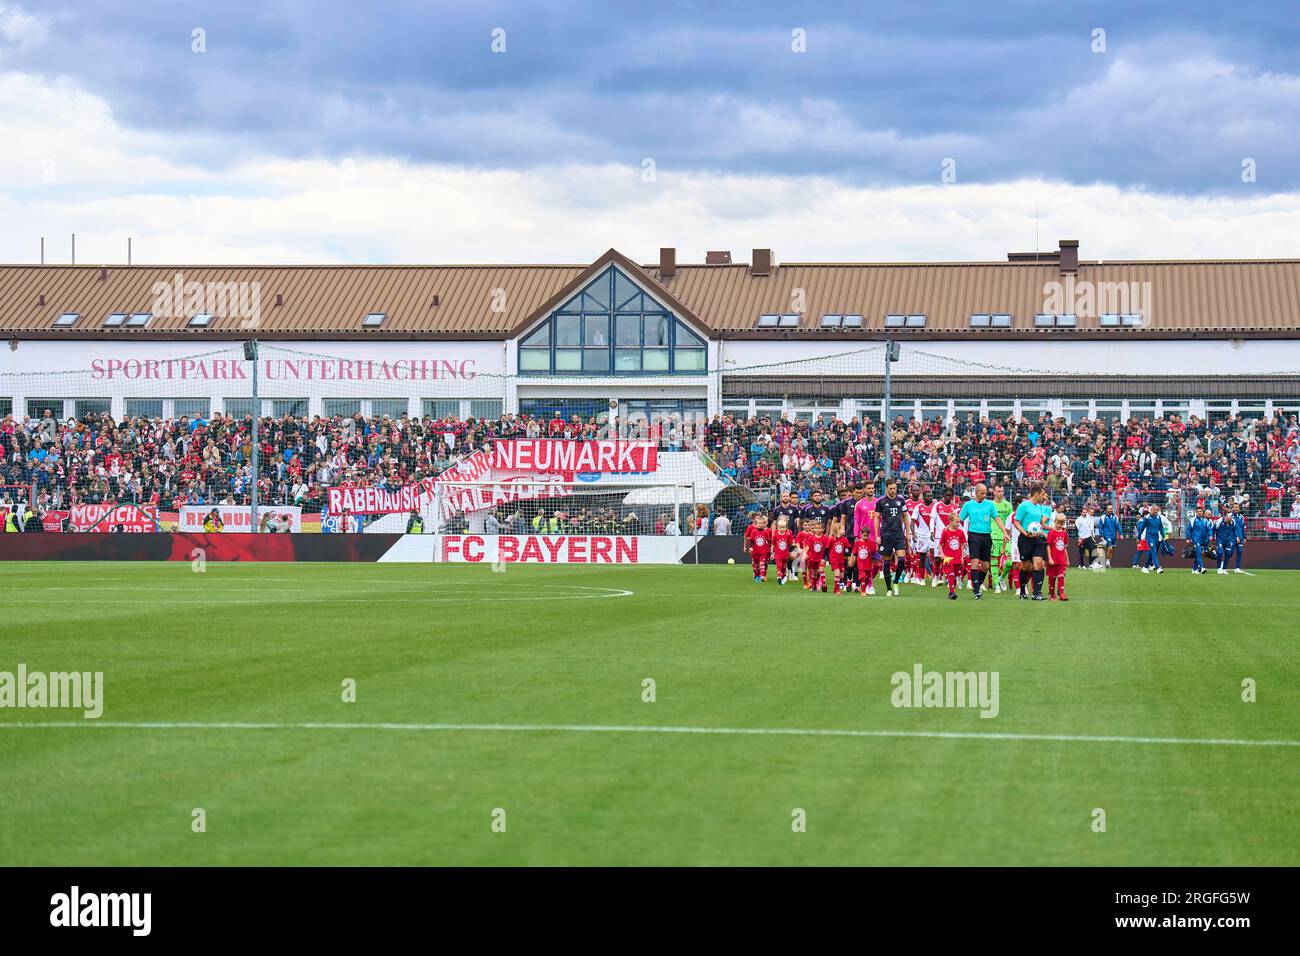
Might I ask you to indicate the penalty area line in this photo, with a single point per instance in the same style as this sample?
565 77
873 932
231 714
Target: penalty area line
630 729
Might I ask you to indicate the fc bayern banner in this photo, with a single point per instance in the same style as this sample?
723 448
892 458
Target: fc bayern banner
374 501
554 456
236 518
1282 525
560 549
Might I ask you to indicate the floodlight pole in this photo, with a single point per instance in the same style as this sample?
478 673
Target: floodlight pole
250 353
891 356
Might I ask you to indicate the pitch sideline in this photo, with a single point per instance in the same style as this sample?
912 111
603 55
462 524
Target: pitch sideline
631 729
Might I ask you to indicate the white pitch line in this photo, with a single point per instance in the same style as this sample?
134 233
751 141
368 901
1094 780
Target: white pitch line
628 729
199 591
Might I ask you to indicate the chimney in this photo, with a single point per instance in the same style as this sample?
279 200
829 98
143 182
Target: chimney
667 262
279 298
436 302
1069 256
760 264
717 258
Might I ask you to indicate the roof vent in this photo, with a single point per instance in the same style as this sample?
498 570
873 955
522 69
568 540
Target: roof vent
720 257
760 263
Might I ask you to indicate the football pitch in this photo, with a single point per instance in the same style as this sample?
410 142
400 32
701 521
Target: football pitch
505 718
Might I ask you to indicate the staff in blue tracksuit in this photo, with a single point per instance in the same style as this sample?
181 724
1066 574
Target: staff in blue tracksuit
1151 530
1108 528
1225 535
1199 532
1239 521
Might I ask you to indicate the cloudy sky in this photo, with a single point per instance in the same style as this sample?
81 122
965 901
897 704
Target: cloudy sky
433 131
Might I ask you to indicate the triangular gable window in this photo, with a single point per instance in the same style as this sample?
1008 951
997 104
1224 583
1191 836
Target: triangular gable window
586 335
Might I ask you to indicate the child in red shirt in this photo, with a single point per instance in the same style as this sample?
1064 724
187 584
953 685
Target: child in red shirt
1058 559
758 543
866 551
783 542
952 546
812 544
837 556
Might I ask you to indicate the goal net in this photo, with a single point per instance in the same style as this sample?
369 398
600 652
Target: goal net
525 506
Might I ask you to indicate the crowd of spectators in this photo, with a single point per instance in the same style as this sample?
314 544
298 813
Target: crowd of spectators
207 461
1254 462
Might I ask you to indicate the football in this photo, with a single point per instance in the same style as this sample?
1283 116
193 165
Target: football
1034 527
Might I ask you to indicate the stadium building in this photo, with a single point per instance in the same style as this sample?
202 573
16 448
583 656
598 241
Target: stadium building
1036 333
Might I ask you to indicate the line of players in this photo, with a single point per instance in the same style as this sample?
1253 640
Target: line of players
976 543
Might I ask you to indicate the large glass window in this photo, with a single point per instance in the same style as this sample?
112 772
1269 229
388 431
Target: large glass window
344 407
583 408
1075 410
392 407
144 408
239 408
191 407
6 406
441 407
932 409
296 407
481 408
36 407
611 326
91 406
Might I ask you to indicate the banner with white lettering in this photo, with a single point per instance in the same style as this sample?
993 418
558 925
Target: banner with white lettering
555 456
238 518
556 549
374 501
106 518
1281 525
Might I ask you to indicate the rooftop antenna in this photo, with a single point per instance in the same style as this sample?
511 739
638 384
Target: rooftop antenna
74 248
128 250
1036 250
42 250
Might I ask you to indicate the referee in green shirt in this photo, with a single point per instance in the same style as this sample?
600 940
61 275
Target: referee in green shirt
979 515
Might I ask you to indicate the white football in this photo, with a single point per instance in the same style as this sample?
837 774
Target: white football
731 560
1034 527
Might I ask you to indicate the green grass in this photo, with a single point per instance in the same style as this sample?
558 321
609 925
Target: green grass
1130 655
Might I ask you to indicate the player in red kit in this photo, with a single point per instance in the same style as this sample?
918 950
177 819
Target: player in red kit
838 548
783 543
758 542
1058 559
952 548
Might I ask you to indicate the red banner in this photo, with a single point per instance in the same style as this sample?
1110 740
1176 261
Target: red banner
374 501
552 456
1282 525
106 518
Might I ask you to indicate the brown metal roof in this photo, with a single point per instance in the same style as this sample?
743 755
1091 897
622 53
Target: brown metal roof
1256 297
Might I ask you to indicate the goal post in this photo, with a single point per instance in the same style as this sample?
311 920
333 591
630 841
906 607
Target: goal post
524 506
